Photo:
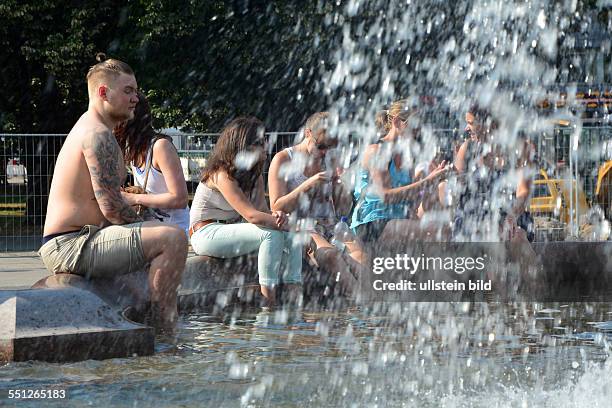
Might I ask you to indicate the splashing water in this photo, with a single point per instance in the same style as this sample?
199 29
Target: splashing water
505 56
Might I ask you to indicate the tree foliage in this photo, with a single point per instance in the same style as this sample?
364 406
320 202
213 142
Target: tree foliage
200 63
204 62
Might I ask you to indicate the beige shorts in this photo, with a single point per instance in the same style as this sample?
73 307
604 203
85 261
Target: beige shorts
96 252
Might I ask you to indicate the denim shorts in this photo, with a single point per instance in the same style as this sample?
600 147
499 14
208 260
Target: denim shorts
371 231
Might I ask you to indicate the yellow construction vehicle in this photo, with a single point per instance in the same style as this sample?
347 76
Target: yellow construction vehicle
551 198
603 190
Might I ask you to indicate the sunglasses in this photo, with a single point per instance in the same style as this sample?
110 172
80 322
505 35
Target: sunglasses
324 146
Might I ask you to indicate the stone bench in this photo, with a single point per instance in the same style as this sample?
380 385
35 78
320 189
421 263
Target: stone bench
572 267
215 282
207 283
564 271
218 283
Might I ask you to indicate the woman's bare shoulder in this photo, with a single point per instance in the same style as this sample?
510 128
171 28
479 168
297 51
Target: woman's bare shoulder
164 144
369 152
280 157
278 161
373 148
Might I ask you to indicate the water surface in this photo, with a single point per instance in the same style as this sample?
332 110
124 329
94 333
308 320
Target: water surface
414 354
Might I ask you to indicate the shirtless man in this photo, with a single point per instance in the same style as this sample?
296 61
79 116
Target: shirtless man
90 230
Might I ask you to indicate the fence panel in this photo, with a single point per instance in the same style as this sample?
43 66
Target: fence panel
26 168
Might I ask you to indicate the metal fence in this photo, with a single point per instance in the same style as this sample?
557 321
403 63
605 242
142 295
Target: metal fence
27 162
193 149
26 167
594 147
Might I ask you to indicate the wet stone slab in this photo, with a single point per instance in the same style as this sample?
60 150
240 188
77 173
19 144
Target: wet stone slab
218 282
64 324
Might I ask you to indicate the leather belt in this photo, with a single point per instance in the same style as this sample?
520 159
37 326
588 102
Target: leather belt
200 224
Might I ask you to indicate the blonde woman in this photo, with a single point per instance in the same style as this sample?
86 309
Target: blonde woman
302 181
386 191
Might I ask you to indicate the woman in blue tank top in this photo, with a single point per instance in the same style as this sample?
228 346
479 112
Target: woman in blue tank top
385 189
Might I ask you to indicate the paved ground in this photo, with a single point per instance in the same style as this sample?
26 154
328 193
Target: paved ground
20 270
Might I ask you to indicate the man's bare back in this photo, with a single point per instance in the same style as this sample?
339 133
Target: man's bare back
72 201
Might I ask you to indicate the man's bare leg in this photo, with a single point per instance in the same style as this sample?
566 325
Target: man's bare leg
165 247
522 252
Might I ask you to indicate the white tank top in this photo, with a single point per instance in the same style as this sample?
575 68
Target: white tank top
157 185
209 204
318 203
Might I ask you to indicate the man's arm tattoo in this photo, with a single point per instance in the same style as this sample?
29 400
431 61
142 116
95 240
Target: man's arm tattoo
102 154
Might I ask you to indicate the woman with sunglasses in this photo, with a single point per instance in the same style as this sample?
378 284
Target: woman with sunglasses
386 192
301 181
232 188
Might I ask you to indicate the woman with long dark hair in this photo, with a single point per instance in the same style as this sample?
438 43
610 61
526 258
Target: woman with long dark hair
144 148
231 189
496 184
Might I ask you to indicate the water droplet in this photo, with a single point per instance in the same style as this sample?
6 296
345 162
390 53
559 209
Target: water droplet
541 20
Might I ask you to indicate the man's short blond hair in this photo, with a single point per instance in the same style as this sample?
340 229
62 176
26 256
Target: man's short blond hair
317 121
105 70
